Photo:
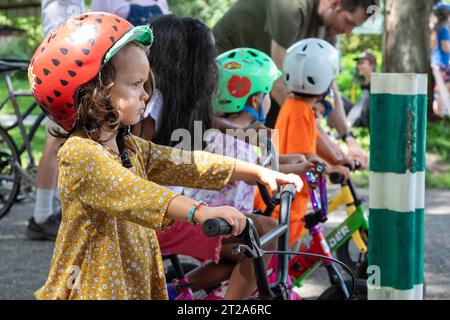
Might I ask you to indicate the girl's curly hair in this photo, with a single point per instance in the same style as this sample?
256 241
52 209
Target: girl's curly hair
94 107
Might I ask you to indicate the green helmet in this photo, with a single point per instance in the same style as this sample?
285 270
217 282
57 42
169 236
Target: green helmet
242 73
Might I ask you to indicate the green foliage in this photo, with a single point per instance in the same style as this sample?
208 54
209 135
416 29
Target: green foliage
351 47
360 43
208 11
22 46
438 139
37 144
437 181
348 77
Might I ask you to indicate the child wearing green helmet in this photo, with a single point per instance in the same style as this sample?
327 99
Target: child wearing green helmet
246 77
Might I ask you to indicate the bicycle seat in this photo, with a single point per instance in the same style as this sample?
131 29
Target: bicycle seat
13 65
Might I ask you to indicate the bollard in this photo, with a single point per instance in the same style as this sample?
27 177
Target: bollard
397 186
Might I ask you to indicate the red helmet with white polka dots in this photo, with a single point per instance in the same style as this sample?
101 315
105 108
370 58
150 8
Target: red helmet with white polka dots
72 55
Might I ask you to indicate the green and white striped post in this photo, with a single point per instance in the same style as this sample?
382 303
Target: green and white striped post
397 186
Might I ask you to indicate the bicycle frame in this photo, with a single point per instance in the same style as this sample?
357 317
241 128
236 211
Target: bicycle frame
26 174
355 222
252 244
350 228
302 266
182 283
27 137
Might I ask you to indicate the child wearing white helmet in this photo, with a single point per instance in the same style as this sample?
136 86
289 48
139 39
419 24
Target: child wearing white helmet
309 69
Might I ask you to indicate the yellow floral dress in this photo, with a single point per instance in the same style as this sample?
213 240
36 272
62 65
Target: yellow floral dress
106 246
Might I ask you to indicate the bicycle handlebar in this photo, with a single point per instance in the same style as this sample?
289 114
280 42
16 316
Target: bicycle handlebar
220 227
337 178
265 195
291 189
216 227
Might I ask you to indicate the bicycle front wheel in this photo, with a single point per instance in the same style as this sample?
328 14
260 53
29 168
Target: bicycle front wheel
352 257
9 173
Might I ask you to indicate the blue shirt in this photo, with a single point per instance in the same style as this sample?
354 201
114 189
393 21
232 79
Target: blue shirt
440 57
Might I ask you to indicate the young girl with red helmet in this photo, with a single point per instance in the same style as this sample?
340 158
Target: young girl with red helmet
92 77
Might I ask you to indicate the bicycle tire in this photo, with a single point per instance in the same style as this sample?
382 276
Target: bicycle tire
361 272
8 156
360 293
343 254
187 267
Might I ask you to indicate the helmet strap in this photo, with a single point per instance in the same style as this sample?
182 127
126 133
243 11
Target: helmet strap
120 139
258 116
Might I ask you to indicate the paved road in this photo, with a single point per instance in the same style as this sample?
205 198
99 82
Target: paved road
24 264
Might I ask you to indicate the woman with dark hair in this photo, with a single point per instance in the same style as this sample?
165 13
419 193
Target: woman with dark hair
183 61
182 58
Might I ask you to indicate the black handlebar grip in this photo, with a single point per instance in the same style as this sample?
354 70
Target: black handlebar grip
216 227
336 178
290 188
357 165
265 195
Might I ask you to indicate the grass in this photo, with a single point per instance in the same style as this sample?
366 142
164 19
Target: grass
37 144
438 181
438 149
438 139
24 102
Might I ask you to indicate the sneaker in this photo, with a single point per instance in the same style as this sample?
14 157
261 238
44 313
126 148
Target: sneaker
47 230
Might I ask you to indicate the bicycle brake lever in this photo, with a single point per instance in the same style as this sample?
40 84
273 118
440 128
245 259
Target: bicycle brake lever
249 252
242 247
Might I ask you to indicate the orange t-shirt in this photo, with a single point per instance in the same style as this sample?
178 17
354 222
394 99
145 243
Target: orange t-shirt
296 125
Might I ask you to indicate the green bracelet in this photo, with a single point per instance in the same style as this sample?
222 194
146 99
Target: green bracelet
191 215
193 209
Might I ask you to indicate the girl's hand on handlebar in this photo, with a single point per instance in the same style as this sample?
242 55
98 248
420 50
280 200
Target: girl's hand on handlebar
235 218
255 128
343 171
304 167
273 179
347 162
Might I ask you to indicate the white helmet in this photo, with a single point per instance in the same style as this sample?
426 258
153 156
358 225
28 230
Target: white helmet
310 66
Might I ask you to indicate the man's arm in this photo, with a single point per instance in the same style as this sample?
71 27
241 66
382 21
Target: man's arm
279 91
337 120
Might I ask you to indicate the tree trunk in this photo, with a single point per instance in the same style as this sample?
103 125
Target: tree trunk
407 39
407 36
